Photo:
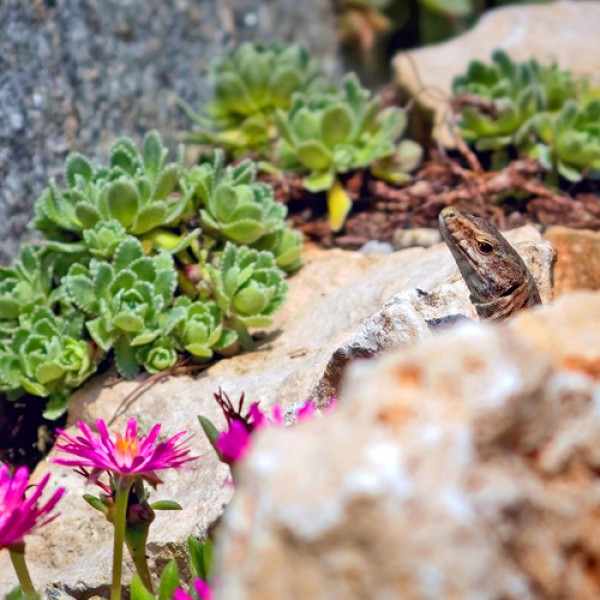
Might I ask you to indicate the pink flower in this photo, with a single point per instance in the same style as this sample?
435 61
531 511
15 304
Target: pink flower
20 515
125 456
306 411
202 590
235 441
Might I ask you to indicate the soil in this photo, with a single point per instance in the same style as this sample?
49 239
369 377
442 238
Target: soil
508 198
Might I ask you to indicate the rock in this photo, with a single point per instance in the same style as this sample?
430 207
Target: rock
330 300
417 314
99 70
464 466
578 258
417 236
522 31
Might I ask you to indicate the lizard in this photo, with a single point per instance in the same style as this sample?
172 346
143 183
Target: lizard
498 280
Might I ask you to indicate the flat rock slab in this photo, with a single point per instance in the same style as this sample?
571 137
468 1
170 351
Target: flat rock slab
333 301
562 32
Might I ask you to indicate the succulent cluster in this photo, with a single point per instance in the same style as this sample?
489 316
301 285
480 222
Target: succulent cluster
536 110
273 102
326 134
145 261
250 84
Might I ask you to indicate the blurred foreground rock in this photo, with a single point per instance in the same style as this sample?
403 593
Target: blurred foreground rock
341 305
76 74
563 32
578 258
465 466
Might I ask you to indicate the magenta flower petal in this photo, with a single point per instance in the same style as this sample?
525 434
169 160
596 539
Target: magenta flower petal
128 455
20 515
203 590
181 594
277 416
234 443
306 411
256 416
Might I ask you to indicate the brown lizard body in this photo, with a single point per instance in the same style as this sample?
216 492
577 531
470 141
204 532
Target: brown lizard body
498 280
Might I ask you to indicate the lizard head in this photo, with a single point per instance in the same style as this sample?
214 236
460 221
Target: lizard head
490 266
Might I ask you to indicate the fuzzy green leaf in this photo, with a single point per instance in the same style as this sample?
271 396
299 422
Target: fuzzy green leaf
123 201
125 359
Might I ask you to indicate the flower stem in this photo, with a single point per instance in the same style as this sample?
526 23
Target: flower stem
121 496
18 560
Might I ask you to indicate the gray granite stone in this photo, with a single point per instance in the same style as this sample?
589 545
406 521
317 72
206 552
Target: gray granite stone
75 74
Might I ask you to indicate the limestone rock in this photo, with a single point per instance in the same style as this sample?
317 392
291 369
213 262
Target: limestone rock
542 31
76 75
416 236
578 258
417 314
464 466
330 300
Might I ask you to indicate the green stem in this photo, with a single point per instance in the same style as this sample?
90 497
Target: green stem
121 496
18 560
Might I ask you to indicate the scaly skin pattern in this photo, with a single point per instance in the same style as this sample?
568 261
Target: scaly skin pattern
498 280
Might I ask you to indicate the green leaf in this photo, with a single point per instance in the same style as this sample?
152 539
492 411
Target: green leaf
337 125
96 503
100 334
313 155
166 505
81 292
78 165
169 581
453 8
18 594
123 201
166 182
149 218
319 181
200 557
128 251
138 590
153 154
56 407
211 432
87 215
125 359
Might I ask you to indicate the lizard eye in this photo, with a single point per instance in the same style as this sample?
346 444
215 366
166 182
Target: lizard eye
484 247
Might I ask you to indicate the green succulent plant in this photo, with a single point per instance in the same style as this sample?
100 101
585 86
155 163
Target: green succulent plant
234 206
137 190
515 92
326 134
158 356
250 83
124 300
286 247
24 286
248 288
568 142
46 356
198 329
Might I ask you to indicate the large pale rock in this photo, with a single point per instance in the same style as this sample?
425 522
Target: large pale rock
330 301
565 32
578 258
465 466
